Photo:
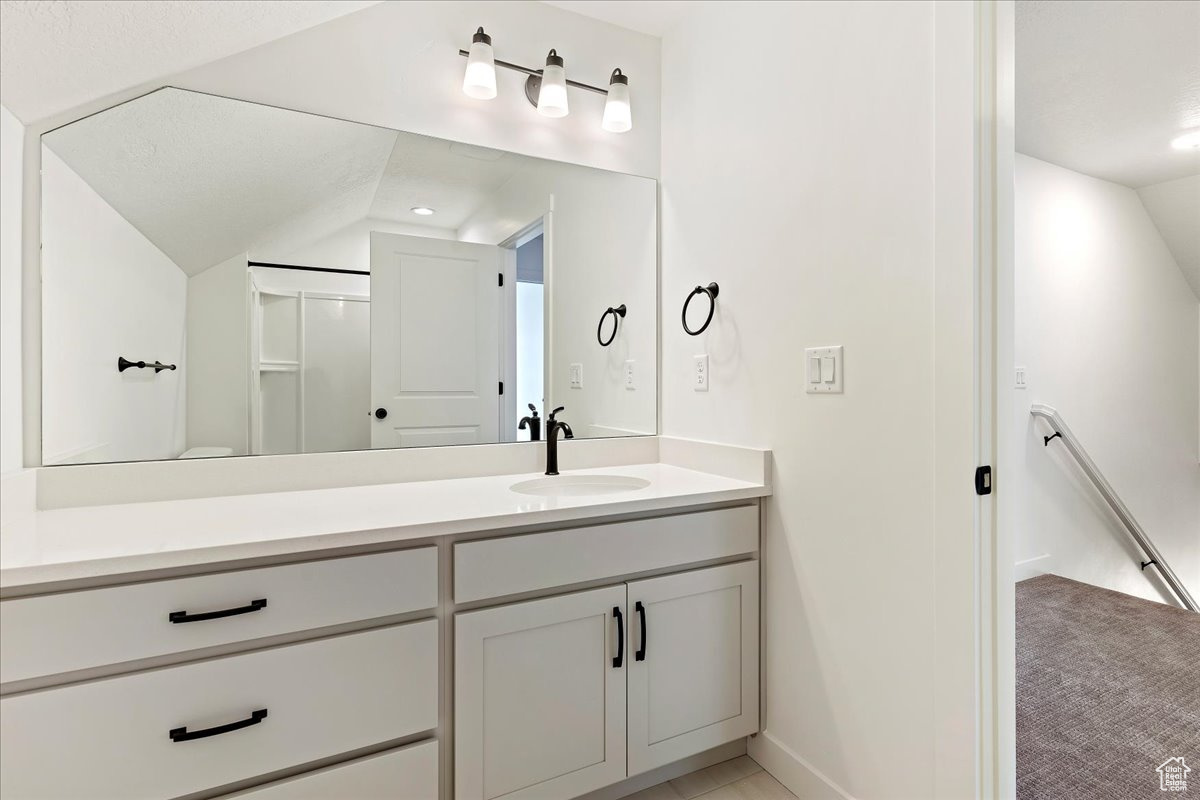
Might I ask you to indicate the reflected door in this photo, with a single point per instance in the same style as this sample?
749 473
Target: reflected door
435 351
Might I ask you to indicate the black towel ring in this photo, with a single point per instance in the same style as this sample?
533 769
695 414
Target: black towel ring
619 311
711 290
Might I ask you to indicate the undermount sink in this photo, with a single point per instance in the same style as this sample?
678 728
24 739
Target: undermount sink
578 485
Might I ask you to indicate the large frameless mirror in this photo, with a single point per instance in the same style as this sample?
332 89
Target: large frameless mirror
226 278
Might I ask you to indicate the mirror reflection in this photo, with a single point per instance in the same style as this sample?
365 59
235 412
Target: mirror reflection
226 278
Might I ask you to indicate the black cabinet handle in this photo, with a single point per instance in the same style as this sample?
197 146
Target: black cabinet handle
184 735
183 616
640 653
620 659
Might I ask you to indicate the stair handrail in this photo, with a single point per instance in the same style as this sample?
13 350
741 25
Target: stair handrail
1135 530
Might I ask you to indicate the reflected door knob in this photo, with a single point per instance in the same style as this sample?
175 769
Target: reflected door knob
380 413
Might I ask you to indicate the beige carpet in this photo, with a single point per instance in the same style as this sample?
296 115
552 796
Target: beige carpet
1108 688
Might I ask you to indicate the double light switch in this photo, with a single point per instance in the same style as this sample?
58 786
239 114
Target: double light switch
823 372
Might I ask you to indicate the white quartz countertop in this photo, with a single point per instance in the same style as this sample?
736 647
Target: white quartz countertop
99 542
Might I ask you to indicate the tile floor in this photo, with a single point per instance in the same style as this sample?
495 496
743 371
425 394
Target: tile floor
738 779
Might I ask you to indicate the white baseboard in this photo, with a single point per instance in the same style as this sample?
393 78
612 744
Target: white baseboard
1031 567
801 778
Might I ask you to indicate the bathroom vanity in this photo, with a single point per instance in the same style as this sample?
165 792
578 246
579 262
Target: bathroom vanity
497 636
405 622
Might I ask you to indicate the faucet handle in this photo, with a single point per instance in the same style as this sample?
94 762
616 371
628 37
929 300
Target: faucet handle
555 411
533 408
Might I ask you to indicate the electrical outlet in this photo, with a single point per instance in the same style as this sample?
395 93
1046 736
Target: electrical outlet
576 375
630 382
1022 380
700 373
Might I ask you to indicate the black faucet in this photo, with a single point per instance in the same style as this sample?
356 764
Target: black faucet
553 426
534 423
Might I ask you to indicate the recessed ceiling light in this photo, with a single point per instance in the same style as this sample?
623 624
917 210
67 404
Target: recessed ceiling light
423 211
1189 141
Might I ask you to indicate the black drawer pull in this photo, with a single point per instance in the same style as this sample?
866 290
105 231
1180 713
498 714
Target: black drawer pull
183 616
620 657
640 653
184 735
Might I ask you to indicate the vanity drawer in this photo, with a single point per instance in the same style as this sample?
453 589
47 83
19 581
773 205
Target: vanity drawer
410 773
112 738
75 630
536 561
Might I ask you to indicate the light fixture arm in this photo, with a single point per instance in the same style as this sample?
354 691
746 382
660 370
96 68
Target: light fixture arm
537 73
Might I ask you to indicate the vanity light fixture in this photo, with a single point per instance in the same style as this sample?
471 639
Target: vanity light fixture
617 118
552 98
546 88
422 211
480 80
1189 141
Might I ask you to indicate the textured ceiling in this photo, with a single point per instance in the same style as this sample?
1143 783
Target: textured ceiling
56 55
205 178
1175 208
1103 86
452 178
653 17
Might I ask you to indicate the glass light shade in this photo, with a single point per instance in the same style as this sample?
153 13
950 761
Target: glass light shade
617 116
480 80
552 100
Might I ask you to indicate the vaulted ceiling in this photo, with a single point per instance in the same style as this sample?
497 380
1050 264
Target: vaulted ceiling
205 178
55 56
1103 87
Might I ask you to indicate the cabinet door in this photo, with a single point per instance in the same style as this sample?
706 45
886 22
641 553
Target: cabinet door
694 683
540 697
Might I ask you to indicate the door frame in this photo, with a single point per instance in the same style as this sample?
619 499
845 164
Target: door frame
508 319
974 631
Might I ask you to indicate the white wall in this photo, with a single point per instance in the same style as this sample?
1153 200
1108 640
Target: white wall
12 135
1175 208
106 292
397 65
798 172
600 250
1106 326
218 346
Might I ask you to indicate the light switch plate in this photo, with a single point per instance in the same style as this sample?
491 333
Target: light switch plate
1022 379
818 362
700 373
576 375
630 380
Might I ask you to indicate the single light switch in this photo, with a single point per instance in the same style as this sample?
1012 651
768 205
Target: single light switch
814 370
825 370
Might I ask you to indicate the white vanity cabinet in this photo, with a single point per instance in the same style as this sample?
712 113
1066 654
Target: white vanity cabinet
560 696
544 663
540 697
693 672
109 692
